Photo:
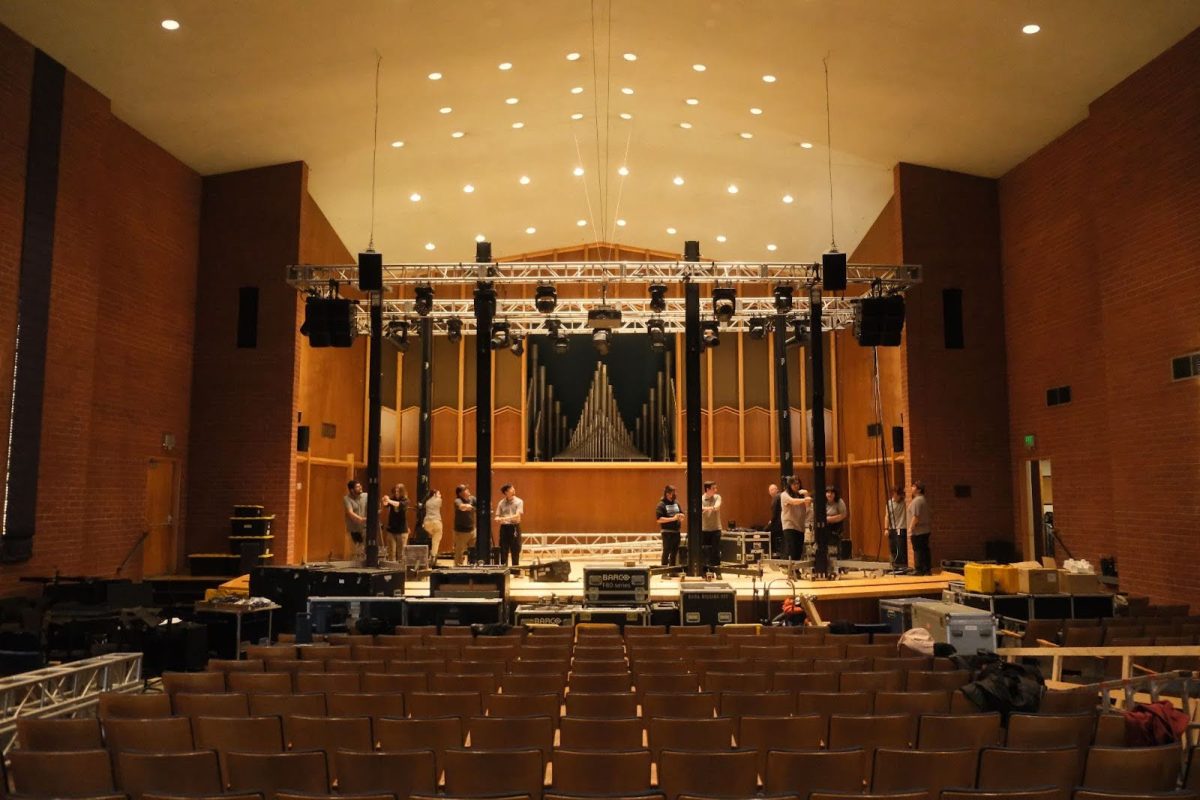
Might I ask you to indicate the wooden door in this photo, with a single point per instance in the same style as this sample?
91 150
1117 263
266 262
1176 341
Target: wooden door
158 551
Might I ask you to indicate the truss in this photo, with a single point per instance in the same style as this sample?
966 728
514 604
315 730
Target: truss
592 546
64 691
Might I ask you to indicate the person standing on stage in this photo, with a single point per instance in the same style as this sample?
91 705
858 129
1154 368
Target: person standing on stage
776 526
710 527
794 503
397 521
432 523
919 528
669 516
897 528
835 517
355 506
464 523
508 514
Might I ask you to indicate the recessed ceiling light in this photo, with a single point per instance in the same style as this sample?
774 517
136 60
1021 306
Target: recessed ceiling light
445 110
732 188
479 237
671 231
699 67
506 66
746 135
721 237
687 126
512 101
456 135
578 171
1030 28
768 78
677 180
518 125
435 76
572 56
787 198
577 116
622 171
630 57
397 143
771 247
806 145
430 246
468 188
523 180
581 222
170 24
756 111
692 101
626 115
621 223
576 90
531 229
626 90
415 197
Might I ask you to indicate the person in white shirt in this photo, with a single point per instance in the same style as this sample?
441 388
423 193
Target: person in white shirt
897 528
710 527
432 523
354 506
919 528
508 515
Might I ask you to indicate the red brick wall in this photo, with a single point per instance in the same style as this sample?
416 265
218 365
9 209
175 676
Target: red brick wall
958 409
119 349
1101 232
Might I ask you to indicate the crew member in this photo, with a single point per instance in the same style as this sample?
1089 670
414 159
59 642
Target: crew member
919 522
355 506
669 516
794 505
710 527
897 528
508 514
835 517
776 526
432 523
464 523
397 521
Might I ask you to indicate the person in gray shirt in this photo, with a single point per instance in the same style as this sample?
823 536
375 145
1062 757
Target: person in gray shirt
710 527
354 505
919 527
508 515
897 528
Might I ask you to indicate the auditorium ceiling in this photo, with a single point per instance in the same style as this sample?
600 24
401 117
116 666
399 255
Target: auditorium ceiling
676 119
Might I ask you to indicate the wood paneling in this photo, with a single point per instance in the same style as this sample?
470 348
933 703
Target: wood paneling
725 434
758 434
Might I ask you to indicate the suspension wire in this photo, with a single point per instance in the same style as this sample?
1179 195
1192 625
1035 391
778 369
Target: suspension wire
882 476
621 187
586 194
600 199
608 114
374 150
829 153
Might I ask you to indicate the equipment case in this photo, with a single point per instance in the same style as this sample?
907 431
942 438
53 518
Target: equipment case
707 604
968 629
616 586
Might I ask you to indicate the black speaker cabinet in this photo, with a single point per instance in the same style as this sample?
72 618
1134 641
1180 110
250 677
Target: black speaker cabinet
370 271
469 582
833 271
707 604
302 436
453 611
358 582
897 439
287 586
879 321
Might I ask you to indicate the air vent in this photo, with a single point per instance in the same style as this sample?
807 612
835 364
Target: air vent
1185 367
328 430
875 429
1058 395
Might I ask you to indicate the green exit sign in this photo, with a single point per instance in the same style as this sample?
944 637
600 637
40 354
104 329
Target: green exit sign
1029 443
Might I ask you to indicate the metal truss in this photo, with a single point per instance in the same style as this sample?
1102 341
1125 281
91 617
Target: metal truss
593 546
64 691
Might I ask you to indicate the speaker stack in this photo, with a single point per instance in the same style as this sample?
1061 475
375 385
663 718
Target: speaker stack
879 321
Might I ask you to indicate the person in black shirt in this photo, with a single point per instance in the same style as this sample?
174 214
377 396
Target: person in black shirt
669 516
464 524
397 522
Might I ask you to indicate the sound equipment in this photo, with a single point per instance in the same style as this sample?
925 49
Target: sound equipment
247 317
617 615
358 582
470 582
897 439
355 614
285 586
550 572
952 319
664 613
302 434
691 250
370 271
245 510
745 547
845 549
707 604
250 526
453 611
878 321
557 614
616 586
833 271
328 322
896 612
968 629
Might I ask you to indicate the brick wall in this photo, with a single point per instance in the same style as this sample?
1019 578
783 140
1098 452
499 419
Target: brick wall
1101 232
119 347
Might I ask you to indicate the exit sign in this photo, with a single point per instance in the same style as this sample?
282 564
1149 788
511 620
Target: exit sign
1029 442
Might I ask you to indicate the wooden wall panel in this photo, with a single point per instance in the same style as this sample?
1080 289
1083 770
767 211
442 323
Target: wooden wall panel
445 434
409 434
506 435
468 429
326 519
332 390
725 434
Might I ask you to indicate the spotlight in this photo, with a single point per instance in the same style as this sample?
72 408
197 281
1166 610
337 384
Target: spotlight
518 346
546 298
724 300
711 333
658 297
423 300
602 338
800 329
561 343
499 335
658 335
397 334
783 298
758 327
454 330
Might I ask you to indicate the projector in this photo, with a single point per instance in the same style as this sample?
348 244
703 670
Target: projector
604 317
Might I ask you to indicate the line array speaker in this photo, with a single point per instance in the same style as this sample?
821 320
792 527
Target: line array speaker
879 321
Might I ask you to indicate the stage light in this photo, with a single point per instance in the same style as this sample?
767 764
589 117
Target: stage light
783 298
724 300
454 330
518 346
800 329
711 333
397 334
658 297
546 298
499 335
658 335
561 342
758 327
423 300
601 339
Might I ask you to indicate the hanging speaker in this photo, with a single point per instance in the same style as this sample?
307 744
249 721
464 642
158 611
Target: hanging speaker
833 271
691 250
302 434
370 271
952 319
879 321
